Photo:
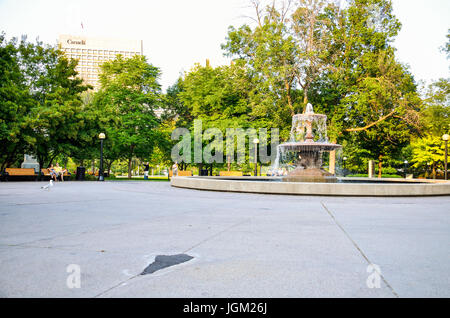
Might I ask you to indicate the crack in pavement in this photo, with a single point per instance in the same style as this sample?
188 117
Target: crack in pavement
185 251
358 248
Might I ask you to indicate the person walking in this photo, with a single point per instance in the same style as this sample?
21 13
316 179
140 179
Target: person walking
146 169
175 169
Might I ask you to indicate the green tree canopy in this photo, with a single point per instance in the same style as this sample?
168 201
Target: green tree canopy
128 96
41 101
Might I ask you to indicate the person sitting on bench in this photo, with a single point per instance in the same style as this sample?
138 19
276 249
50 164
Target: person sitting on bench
60 171
52 172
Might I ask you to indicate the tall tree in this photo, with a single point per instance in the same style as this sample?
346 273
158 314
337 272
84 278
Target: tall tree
129 94
312 23
367 92
428 147
217 96
51 112
269 53
14 104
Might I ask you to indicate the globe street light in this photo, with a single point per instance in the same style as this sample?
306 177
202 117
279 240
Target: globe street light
404 170
102 137
445 139
256 142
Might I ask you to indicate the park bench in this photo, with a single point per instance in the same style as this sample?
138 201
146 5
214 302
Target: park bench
18 174
230 173
181 173
105 173
46 174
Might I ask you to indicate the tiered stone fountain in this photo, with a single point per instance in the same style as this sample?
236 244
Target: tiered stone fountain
308 142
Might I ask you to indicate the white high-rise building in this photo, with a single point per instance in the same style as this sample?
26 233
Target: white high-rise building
91 52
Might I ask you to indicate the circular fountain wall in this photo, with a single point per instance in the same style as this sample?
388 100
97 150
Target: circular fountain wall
344 186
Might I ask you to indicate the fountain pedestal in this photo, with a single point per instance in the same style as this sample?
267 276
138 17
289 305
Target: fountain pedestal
309 175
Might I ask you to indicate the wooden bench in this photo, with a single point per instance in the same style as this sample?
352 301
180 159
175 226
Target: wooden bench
18 173
105 173
46 174
230 173
181 173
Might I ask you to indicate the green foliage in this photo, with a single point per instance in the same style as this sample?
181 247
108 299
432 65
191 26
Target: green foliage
371 99
344 64
129 94
14 102
268 53
42 112
436 113
428 149
221 98
218 96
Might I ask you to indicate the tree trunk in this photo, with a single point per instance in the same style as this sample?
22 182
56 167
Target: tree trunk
380 166
109 166
305 96
41 166
130 160
288 92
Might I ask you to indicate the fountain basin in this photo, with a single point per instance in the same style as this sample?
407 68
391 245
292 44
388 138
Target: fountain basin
308 166
344 187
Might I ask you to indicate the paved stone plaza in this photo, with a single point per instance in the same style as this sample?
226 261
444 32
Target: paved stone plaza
243 245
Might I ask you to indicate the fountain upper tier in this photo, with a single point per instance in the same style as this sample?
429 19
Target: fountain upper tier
309 132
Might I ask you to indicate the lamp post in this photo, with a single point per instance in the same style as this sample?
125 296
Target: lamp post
102 137
406 164
256 142
445 139
344 159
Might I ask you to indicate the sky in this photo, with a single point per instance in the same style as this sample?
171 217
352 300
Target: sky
179 33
